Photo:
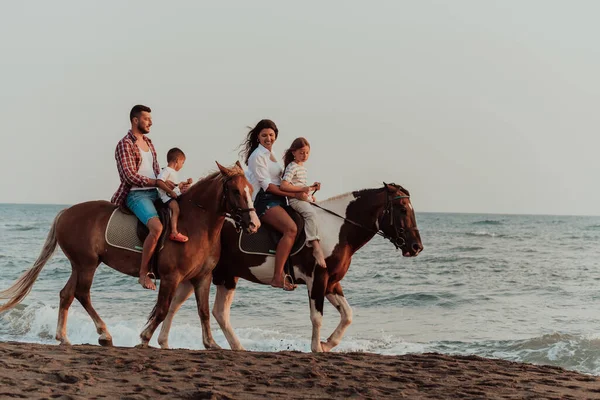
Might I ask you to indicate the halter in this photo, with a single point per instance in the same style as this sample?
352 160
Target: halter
234 213
399 239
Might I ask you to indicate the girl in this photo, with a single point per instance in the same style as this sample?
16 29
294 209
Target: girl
294 181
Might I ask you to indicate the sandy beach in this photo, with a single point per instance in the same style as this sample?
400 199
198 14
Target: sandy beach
84 371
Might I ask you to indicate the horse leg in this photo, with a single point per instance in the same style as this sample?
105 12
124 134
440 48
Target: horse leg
221 308
202 290
158 314
183 292
316 298
337 299
85 278
67 294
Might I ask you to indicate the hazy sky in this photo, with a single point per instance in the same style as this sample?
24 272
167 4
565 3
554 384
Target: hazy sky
474 106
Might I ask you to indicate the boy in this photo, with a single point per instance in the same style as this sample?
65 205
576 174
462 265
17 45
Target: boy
175 160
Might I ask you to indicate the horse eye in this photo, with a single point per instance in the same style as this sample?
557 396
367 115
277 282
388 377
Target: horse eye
236 192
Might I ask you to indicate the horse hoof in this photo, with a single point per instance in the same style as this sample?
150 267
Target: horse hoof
142 346
64 343
105 342
212 346
326 346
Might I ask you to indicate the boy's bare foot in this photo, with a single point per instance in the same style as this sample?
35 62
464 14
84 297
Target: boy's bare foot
146 282
178 237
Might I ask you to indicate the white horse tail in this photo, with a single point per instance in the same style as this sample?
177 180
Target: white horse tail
21 288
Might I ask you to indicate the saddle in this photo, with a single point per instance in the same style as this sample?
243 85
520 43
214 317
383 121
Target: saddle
264 242
125 231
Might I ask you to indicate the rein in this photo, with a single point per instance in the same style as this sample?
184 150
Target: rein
388 210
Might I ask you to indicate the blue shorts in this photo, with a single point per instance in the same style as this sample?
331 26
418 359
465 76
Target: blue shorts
265 200
141 203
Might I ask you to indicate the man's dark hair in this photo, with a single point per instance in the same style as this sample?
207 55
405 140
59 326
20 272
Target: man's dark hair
174 154
137 110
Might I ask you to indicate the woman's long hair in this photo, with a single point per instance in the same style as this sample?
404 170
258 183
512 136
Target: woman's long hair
298 143
251 142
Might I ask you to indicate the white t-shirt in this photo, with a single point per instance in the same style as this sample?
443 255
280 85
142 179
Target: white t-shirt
146 168
168 174
262 170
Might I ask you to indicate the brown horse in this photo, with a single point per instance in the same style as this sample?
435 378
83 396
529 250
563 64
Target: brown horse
346 223
79 231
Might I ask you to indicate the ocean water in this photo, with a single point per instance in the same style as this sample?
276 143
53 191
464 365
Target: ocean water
516 287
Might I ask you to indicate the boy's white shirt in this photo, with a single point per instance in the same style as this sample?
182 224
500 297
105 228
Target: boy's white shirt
168 174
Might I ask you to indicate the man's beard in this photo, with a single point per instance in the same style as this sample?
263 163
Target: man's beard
143 129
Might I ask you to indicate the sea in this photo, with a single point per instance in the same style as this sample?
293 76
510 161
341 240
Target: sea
516 287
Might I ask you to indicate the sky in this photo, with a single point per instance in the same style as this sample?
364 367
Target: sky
474 106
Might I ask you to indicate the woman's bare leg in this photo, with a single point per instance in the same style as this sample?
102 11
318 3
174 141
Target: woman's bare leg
279 219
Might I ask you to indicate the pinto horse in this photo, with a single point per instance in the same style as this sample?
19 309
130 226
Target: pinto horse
79 231
346 223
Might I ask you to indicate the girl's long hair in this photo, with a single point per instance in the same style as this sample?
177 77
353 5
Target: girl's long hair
251 142
298 143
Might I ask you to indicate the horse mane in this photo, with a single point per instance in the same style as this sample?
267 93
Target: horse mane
212 176
361 192
209 179
337 197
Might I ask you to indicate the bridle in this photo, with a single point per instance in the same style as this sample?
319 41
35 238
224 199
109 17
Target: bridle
399 237
234 213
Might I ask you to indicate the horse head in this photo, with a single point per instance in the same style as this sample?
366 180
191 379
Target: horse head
237 198
397 220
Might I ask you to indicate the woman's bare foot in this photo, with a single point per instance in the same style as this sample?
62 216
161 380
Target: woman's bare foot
283 282
146 282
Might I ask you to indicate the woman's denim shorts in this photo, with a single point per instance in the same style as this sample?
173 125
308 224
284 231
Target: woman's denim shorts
141 203
264 201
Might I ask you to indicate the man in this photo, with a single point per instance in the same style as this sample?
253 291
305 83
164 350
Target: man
138 168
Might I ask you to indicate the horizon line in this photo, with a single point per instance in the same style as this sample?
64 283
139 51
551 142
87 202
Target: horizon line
418 212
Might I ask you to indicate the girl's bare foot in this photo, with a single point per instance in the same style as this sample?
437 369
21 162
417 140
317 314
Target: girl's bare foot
318 254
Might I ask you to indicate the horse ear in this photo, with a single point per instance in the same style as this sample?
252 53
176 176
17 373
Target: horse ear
223 170
238 164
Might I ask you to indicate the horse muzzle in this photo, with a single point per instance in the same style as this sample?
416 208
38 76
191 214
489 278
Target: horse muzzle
412 250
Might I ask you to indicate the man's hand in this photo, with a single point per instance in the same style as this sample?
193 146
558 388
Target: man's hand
316 186
172 194
166 186
171 185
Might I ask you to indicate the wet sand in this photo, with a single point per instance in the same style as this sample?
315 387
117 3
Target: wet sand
84 371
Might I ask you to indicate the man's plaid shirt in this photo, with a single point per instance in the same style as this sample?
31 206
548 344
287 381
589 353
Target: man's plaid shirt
129 159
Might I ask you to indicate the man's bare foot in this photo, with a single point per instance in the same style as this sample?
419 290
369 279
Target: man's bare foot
146 282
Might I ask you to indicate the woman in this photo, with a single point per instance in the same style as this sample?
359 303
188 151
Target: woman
264 173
